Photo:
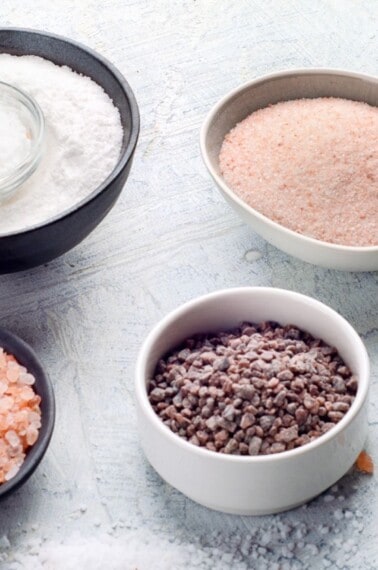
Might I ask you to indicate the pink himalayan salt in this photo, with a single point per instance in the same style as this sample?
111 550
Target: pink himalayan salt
20 415
311 165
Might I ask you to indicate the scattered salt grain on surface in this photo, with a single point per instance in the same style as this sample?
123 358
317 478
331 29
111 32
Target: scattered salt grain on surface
338 514
139 550
252 255
310 165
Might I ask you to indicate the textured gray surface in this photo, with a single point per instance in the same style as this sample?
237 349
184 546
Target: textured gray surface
169 238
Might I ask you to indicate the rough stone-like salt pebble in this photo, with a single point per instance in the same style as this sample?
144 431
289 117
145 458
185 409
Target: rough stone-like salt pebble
238 409
310 165
20 415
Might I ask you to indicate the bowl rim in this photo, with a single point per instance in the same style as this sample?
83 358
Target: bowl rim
23 351
231 194
178 313
125 155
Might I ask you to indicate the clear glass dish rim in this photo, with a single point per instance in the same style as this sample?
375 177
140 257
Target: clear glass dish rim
27 166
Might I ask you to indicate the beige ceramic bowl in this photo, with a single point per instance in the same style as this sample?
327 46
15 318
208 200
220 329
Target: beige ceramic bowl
261 484
286 85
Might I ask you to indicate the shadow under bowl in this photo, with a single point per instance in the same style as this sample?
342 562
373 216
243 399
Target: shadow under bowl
27 357
39 244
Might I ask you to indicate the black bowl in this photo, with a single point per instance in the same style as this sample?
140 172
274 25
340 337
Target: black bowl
43 242
26 356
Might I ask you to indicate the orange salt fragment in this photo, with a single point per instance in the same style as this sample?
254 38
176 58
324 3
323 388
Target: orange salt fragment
364 463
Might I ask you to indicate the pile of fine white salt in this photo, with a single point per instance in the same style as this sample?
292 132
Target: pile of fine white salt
83 140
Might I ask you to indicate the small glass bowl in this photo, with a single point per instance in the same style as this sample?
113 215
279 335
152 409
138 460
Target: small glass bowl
28 112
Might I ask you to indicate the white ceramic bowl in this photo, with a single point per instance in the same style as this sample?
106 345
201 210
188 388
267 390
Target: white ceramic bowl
249 485
270 89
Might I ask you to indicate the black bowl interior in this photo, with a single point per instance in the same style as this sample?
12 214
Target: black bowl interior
26 356
39 244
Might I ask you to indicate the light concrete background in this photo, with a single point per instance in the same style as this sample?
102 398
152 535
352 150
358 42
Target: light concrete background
169 238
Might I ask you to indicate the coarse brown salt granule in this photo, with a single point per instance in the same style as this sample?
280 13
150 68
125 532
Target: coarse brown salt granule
254 390
20 415
311 165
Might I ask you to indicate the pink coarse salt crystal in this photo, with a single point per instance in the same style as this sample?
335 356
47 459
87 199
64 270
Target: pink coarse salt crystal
20 415
3 360
13 371
310 165
31 435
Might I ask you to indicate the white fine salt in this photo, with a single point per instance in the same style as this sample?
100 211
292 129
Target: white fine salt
83 140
